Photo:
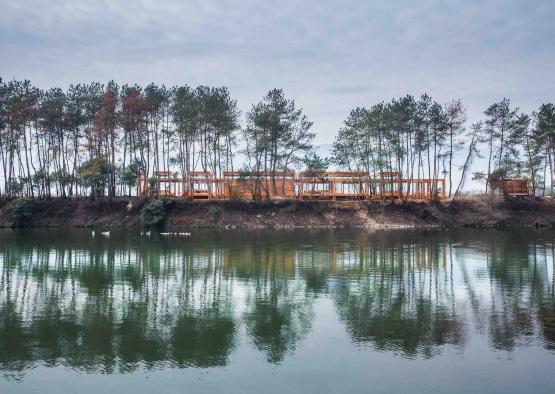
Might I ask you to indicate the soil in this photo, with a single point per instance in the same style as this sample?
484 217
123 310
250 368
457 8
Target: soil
475 211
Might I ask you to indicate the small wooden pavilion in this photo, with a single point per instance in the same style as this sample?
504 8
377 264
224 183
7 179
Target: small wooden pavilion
515 187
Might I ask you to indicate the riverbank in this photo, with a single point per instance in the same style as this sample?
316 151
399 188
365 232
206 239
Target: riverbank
476 211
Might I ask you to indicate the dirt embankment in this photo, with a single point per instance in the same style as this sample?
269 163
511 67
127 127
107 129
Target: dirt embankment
128 212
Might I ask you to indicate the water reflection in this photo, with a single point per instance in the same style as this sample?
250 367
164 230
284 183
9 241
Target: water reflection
279 310
114 305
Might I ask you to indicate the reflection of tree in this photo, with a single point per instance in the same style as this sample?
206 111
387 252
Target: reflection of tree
279 309
96 277
276 323
108 310
510 318
392 327
546 294
115 305
399 309
15 346
520 285
316 280
547 319
518 272
139 341
98 337
391 290
204 332
202 340
55 330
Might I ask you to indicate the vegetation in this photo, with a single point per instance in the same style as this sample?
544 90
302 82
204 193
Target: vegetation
96 174
315 168
95 139
315 165
419 138
21 210
214 212
154 213
276 136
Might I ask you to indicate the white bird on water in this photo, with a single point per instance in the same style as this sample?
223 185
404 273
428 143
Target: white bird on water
174 234
105 233
92 233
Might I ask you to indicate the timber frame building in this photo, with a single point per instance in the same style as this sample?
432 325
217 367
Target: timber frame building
288 185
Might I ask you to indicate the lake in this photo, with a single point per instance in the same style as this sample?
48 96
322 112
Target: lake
327 311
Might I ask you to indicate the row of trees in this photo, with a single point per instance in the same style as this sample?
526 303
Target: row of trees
420 138
518 144
417 138
97 139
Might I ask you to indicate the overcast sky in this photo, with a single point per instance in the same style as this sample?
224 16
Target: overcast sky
330 56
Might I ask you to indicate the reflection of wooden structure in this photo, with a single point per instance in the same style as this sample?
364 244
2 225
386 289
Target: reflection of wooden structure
515 187
284 184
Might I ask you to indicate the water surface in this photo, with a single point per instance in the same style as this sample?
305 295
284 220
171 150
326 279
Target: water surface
274 312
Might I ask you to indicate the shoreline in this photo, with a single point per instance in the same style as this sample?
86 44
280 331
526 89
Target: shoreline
129 212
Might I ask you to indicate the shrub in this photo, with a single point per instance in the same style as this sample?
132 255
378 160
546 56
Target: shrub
21 210
154 212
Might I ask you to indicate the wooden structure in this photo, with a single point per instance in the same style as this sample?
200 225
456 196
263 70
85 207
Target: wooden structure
515 187
202 185
163 183
285 185
424 189
196 185
333 185
388 185
257 185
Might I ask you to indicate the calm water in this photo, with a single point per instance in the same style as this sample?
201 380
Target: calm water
276 312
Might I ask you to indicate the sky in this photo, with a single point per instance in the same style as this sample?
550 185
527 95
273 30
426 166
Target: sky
329 56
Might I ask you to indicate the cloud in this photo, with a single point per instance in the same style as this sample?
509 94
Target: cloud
329 56
350 89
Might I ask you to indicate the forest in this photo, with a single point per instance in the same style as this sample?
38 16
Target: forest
96 139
